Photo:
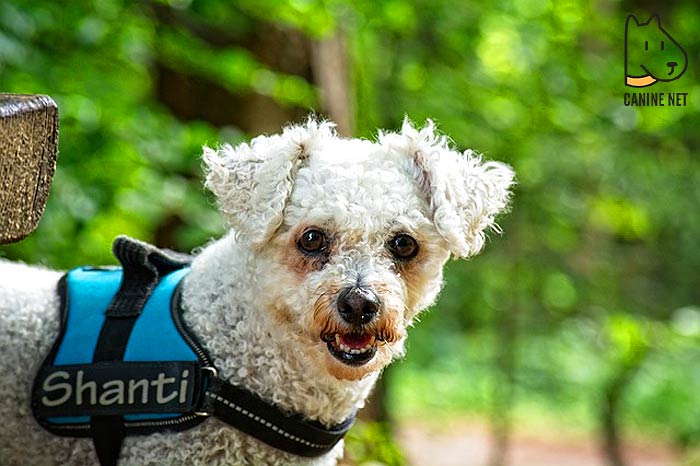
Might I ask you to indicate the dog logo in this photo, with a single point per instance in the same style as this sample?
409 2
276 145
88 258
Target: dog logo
651 54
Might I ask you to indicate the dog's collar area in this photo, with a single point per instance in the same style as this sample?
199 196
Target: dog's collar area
128 365
270 424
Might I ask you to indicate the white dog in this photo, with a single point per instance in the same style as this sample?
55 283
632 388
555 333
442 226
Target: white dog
335 246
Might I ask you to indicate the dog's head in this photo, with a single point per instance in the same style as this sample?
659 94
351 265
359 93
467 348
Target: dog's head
349 237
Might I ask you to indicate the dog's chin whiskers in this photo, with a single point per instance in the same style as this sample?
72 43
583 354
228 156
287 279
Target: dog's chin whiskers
393 353
328 332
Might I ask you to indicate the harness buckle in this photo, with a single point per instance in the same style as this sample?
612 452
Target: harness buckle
213 373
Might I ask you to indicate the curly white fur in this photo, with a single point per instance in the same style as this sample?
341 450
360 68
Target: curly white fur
465 193
258 304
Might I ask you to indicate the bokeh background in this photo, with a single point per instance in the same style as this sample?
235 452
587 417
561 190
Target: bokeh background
572 340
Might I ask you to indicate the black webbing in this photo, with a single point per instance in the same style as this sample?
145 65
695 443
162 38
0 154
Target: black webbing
143 265
268 423
107 435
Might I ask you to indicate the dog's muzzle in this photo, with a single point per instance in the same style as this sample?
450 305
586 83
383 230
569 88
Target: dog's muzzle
358 306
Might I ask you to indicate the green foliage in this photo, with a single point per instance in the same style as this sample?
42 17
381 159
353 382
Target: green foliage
371 444
597 269
125 164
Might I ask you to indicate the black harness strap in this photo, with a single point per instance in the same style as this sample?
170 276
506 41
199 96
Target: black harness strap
143 266
108 434
268 423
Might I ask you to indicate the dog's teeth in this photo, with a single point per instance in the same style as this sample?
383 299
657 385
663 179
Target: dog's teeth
341 346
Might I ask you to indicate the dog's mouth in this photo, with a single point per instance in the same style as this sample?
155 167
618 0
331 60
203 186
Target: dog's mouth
353 349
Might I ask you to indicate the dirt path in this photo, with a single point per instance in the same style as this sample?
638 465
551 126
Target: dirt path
467 443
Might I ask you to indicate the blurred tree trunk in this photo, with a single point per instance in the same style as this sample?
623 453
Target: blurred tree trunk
609 418
329 62
613 393
191 96
506 330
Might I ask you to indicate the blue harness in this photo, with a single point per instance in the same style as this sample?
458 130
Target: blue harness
125 363
72 382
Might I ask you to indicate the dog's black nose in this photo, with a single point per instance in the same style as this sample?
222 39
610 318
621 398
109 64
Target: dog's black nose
358 306
672 64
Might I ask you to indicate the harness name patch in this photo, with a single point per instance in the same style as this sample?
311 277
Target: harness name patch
109 388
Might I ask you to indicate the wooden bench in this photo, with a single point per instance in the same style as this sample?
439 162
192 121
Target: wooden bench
28 148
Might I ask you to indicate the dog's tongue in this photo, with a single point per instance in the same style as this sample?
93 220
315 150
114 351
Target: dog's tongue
356 341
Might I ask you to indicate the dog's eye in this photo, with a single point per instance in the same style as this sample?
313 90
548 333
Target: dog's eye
312 241
403 246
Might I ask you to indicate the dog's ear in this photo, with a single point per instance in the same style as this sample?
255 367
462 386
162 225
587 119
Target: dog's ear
464 192
252 182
